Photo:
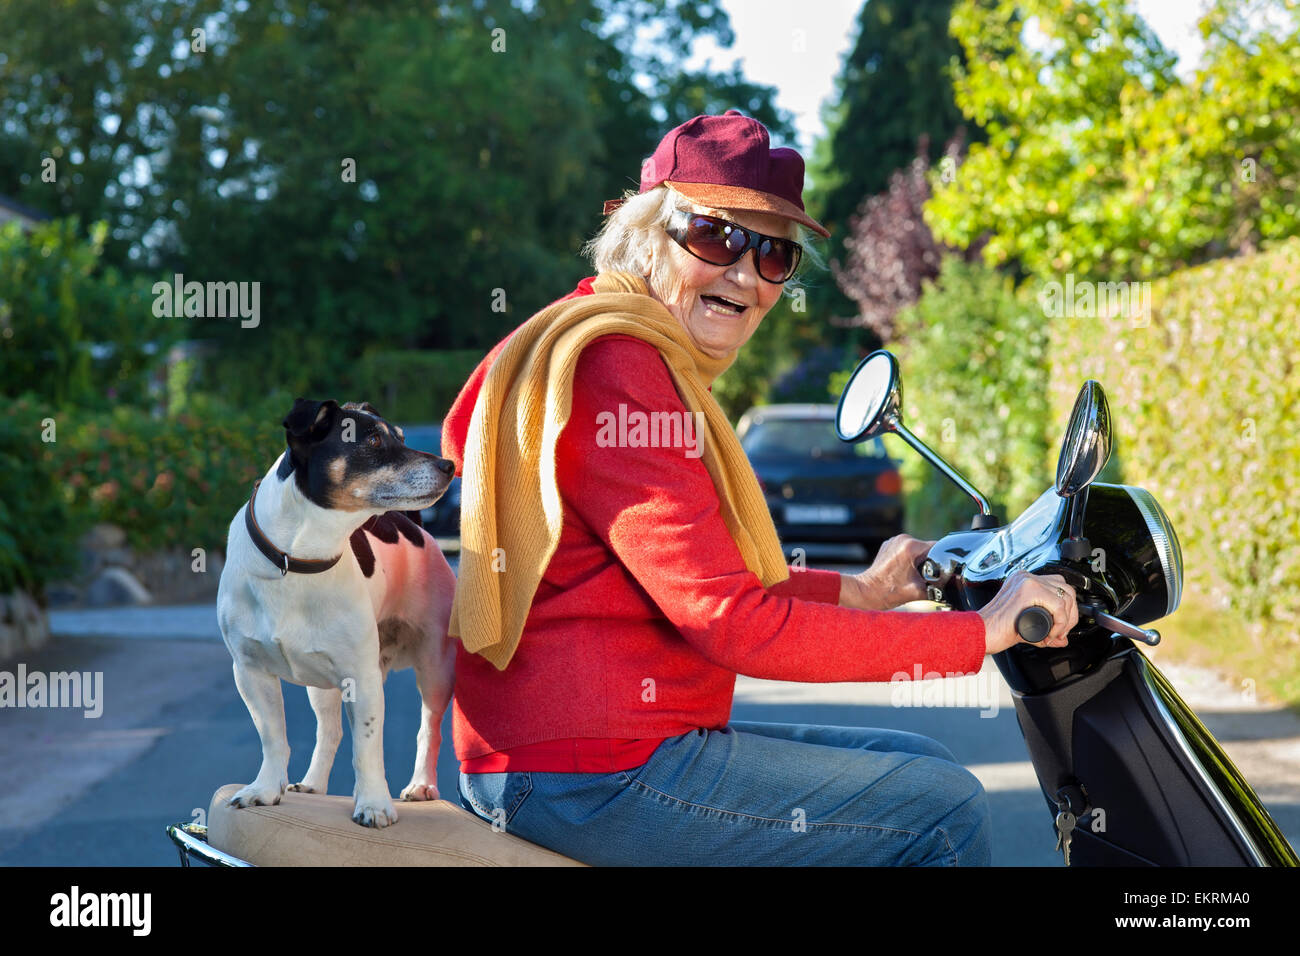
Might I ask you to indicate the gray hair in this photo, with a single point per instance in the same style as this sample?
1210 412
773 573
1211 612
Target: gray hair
633 233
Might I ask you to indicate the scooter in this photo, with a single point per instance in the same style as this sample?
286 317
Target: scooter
1130 775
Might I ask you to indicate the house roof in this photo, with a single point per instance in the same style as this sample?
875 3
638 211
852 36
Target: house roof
18 210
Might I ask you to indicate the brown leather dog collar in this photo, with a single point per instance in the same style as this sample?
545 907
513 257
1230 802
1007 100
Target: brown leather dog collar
273 554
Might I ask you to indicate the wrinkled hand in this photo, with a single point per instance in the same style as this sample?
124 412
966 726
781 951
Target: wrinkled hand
893 578
1022 590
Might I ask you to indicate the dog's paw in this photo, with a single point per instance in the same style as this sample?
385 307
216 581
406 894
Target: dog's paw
303 787
420 791
374 813
257 796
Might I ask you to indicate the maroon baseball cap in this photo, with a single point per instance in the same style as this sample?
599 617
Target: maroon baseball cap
726 162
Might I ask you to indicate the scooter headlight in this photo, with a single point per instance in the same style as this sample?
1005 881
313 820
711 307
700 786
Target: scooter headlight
1165 540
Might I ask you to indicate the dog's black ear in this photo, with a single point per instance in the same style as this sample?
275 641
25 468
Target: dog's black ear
309 421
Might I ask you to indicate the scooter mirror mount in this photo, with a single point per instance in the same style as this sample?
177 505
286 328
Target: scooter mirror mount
1084 453
872 404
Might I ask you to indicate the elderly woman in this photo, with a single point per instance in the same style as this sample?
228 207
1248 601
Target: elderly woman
619 566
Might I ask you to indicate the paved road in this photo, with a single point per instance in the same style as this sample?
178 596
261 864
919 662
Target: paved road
79 791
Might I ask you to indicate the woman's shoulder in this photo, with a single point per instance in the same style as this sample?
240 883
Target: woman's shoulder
619 351
620 345
622 364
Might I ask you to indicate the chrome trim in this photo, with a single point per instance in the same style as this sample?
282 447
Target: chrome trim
895 424
1162 533
1088 440
191 838
889 418
1146 667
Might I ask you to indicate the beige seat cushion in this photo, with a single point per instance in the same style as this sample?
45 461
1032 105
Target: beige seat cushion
308 829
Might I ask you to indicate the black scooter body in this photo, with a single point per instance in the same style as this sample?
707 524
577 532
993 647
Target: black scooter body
1157 788
1109 737
1111 741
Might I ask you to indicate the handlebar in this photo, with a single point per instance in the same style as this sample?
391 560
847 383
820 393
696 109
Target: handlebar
1033 624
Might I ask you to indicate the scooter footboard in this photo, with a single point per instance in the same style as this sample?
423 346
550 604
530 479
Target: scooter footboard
1159 789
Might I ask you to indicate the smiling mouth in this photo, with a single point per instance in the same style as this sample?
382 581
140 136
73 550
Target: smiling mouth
723 305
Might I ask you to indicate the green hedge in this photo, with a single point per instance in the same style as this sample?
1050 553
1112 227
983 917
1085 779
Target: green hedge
72 331
1204 394
973 360
34 544
169 482
411 387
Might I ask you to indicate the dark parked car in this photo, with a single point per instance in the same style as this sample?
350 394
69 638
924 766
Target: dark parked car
818 488
442 520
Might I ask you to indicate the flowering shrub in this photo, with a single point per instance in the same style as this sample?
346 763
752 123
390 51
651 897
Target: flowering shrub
168 482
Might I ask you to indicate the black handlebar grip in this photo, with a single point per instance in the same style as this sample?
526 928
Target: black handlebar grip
1034 624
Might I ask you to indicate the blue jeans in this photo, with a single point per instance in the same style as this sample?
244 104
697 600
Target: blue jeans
754 794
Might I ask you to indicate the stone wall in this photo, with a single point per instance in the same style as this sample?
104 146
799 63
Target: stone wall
23 625
112 573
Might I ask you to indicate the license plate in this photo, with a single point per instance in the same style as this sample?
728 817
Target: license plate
817 514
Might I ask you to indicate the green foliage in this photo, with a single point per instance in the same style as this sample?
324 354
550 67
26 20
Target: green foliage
894 89
1100 160
484 138
58 306
1203 393
168 482
974 367
36 543
412 387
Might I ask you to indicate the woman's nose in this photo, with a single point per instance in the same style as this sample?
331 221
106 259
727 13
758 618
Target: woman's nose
745 268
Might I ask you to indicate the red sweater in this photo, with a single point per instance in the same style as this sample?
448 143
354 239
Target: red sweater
647 612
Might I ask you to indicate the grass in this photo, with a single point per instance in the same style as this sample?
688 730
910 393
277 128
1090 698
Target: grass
1200 633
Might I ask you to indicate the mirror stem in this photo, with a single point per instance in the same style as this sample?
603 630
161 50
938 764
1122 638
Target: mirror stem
1077 504
956 477
1076 547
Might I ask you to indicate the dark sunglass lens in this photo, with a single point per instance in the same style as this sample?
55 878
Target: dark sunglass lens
709 239
777 259
737 240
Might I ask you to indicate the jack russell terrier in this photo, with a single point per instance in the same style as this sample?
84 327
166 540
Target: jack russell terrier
328 584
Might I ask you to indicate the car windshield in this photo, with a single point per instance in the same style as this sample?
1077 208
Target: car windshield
804 438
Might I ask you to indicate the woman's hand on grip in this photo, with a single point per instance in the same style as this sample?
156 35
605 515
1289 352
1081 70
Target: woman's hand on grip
1022 590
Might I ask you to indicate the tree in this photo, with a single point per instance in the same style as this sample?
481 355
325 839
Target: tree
73 331
894 88
1100 160
390 174
890 251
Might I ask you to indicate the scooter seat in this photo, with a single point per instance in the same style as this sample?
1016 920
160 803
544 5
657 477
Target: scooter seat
308 829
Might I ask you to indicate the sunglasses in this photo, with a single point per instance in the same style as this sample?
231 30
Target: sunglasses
721 243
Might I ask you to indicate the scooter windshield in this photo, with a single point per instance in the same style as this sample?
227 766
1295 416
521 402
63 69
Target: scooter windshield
1036 525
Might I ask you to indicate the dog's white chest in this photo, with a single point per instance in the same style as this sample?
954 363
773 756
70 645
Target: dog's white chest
289 660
